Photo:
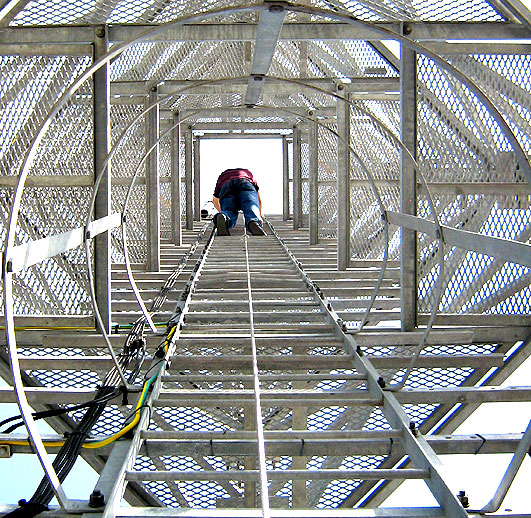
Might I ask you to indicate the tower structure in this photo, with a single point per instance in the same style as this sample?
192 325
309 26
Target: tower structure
328 362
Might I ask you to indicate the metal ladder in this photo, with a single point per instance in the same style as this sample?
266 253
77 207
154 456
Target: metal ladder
307 365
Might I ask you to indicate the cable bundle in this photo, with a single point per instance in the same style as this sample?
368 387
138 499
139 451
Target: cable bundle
133 351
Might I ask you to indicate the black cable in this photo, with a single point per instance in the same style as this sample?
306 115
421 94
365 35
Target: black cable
134 349
57 411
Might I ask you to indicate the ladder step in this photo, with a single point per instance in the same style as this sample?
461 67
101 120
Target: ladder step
281 475
190 378
273 434
259 316
268 362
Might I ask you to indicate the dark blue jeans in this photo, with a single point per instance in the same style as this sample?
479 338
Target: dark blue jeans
239 194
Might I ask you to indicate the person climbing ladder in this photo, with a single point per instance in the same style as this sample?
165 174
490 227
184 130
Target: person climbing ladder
237 190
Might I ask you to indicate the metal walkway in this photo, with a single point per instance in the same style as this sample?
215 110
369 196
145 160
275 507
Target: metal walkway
308 368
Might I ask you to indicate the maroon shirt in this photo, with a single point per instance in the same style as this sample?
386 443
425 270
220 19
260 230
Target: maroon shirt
232 174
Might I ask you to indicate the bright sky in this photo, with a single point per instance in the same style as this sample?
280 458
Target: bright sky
263 157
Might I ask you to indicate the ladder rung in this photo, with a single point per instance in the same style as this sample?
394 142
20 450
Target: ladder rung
265 377
273 434
291 474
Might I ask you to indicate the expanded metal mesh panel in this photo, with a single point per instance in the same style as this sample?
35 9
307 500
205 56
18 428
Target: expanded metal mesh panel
124 164
286 60
327 181
506 79
204 102
378 151
165 186
30 85
165 210
459 139
348 58
58 285
179 60
460 142
474 283
305 173
367 227
387 112
63 12
177 9
462 10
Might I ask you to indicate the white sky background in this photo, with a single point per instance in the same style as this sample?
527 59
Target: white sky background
263 157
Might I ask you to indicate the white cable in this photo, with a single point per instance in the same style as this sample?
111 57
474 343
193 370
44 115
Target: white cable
264 491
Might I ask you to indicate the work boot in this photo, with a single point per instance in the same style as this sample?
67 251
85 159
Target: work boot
255 228
220 221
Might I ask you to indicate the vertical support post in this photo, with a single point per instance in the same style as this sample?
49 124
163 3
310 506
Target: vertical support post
176 181
313 179
188 165
297 182
343 182
197 180
152 184
285 179
299 421
408 184
102 144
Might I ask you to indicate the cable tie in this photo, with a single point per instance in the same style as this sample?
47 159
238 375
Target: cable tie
391 442
302 448
211 448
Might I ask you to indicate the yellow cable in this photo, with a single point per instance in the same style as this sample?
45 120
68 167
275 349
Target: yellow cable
96 444
117 435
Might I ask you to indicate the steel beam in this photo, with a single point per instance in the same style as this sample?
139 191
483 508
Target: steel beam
249 136
408 182
243 126
197 178
188 176
267 33
216 32
272 87
343 182
297 180
152 184
176 182
285 179
257 112
102 207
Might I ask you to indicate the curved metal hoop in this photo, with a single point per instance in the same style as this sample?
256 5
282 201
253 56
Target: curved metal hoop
117 50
